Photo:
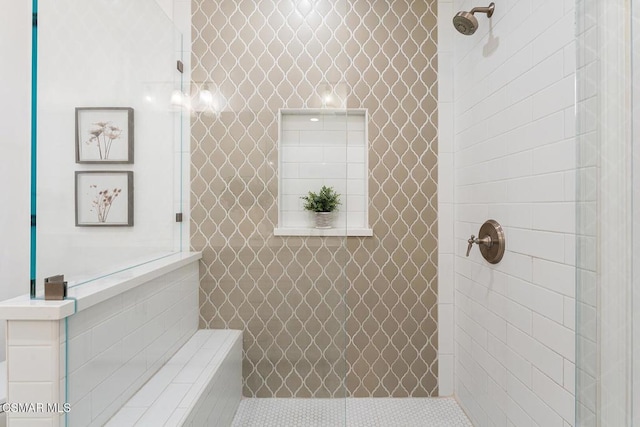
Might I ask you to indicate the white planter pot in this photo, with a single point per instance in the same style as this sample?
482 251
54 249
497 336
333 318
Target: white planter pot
324 219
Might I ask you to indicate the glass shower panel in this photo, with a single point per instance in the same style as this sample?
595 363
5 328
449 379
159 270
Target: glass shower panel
284 288
586 159
607 215
109 138
635 214
285 291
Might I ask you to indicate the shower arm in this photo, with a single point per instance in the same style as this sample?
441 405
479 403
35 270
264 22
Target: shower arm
488 10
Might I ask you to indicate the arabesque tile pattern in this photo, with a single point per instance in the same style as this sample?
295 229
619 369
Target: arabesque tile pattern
318 314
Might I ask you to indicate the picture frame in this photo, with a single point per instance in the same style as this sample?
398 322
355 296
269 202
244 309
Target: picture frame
104 198
104 135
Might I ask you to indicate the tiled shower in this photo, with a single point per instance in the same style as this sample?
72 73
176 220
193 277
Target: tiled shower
426 133
496 112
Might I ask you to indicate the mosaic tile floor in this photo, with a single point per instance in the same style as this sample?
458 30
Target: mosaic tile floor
360 412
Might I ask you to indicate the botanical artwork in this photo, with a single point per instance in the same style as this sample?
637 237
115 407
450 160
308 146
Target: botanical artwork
104 135
104 198
102 201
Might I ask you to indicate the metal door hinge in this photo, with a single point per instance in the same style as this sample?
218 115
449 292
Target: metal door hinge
179 217
55 287
180 66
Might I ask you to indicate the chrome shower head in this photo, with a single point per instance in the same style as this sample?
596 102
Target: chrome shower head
466 23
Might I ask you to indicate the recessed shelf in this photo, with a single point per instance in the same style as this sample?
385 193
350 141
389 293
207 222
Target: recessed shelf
323 147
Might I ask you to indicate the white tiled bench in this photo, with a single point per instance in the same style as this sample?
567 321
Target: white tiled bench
201 385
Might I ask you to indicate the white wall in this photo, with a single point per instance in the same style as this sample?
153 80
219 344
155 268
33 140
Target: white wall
514 160
15 140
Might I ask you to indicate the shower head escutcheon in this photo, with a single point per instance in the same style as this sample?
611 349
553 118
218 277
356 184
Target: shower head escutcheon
466 23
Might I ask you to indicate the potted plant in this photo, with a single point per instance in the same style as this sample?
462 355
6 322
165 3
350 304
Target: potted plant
322 204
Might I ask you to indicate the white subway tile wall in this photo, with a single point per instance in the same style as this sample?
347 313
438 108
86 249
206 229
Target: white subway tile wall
446 253
117 345
506 113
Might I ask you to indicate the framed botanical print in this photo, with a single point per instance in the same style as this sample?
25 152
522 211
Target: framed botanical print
104 198
104 135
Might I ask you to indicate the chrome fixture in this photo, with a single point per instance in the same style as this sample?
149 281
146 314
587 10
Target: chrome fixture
466 23
491 241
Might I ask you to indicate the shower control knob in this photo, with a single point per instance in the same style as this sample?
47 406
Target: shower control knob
484 241
471 241
492 242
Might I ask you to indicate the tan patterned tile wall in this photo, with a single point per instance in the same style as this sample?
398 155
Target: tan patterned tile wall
322 317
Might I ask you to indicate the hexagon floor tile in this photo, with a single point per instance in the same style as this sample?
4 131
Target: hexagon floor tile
364 412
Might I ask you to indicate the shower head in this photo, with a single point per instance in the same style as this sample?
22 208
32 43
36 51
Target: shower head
466 23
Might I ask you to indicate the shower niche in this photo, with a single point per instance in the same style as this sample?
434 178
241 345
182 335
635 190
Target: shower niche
323 147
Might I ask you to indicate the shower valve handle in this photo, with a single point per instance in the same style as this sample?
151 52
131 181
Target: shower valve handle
492 244
486 240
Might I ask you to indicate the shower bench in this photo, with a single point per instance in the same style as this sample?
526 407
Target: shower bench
200 385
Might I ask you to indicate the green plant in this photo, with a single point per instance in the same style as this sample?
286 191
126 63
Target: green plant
327 200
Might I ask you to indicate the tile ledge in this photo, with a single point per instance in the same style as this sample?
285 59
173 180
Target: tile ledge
339 232
94 292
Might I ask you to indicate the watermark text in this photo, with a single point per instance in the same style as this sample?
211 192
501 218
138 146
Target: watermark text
35 407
